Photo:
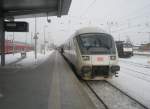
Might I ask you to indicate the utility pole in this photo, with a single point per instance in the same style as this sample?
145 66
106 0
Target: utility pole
109 24
44 40
35 38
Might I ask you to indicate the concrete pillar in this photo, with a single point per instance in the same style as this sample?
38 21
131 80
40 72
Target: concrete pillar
2 39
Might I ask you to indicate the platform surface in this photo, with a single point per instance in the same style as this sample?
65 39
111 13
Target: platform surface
51 85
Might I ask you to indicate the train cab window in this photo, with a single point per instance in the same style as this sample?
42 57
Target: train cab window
96 43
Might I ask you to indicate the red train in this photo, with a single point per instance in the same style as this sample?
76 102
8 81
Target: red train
15 47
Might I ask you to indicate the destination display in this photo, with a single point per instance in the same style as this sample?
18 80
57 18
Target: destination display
16 26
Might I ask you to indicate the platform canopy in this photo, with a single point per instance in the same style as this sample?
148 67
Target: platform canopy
31 8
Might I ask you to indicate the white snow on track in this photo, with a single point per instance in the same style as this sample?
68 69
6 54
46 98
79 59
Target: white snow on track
138 59
141 53
134 78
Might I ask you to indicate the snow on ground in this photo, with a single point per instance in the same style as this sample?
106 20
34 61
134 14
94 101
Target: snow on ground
112 97
29 61
134 87
136 69
138 59
134 79
142 53
12 58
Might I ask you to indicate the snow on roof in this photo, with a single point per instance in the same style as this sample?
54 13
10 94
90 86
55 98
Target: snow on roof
90 30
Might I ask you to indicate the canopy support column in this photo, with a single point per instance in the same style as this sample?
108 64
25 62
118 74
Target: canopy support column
2 39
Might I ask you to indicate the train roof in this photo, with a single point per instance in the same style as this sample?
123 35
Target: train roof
89 30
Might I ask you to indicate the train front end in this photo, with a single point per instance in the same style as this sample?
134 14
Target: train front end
99 59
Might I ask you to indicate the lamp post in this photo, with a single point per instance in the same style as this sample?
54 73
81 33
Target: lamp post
45 26
149 40
13 43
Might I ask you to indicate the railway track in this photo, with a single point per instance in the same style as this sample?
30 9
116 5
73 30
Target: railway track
109 97
138 75
140 72
126 102
136 64
104 104
137 71
128 95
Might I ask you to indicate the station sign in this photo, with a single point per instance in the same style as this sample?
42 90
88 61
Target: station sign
16 26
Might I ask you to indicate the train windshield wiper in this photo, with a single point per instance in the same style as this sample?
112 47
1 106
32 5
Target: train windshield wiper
106 46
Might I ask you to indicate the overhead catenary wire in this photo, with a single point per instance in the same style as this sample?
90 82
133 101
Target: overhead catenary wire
139 16
130 27
136 12
90 5
130 32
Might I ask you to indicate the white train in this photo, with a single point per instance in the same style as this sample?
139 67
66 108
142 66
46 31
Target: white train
93 53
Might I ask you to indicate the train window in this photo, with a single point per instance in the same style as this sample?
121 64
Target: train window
127 45
96 43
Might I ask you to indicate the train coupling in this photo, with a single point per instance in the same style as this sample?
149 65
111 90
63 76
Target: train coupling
116 74
115 69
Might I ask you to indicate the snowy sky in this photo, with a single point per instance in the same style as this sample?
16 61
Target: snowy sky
124 18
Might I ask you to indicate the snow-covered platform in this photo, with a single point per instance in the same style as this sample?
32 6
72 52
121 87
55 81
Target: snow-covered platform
49 85
15 60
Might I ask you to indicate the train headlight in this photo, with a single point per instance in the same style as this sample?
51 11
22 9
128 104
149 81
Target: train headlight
112 57
86 58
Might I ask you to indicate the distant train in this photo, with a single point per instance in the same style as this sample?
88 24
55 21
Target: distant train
124 49
93 53
15 47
